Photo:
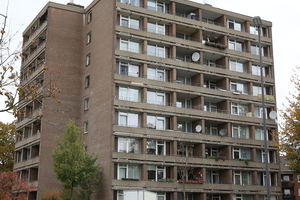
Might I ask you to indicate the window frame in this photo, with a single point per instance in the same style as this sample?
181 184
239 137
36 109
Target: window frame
131 147
88 59
89 38
87 81
153 147
89 17
127 167
158 168
85 127
128 119
86 103
239 133
128 91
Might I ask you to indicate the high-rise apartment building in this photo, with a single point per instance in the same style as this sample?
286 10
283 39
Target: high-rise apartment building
158 86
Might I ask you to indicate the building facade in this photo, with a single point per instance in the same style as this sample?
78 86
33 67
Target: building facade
158 86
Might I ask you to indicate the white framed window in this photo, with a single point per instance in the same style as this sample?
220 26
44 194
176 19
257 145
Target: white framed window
256 70
254 30
260 156
184 127
156 147
286 178
210 84
255 50
239 109
127 45
89 17
212 176
154 27
185 150
184 103
129 94
154 97
242 178
128 145
258 112
87 81
85 127
131 2
156 122
156 173
156 74
287 191
86 104
238 87
212 151
161 196
129 119
299 192
183 80
128 171
298 178
235 45
210 107
130 22
259 133
237 66
241 153
89 38
233 24
211 130
88 59
129 69
183 36
240 131
257 90
154 50
156 6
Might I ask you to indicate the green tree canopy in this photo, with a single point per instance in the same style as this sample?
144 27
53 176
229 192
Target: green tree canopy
290 128
7 146
72 164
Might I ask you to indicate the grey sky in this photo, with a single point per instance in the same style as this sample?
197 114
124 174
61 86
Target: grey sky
283 15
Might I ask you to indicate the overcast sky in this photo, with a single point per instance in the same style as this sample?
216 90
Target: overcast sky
283 15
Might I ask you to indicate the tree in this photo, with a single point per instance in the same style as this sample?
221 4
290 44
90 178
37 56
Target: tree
7 146
74 167
290 130
12 187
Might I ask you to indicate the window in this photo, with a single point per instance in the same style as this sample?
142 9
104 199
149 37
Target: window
240 131
210 63
255 50
129 94
242 178
89 38
211 130
287 191
238 87
184 126
183 36
260 156
86 104
286 178
155 97
154 50
232 24
261 176
87 81
299 192
237 66
183 103
127 45
259 133
161 196
88 59
183 80
156 173
156 6
256 70
154 27
89 17
129 69
238 109
128 171
235 45
130 22
185 150
156 147
257 90
128 145
210 107
212 176
156 122
258 112
156 74
241 153
85 127
131 2
129 119
298 178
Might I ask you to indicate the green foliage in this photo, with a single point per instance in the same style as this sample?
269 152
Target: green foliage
7 146
52 195
73 165
290 129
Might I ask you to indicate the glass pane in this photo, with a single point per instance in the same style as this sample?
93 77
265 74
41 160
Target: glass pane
160 99
122 144
160 52
160 76
134 95
160 124
124 46
237 179
122 173
151 96
151 122
133 120
151 73
125 22
134 23
151 27
151 147
151 4
151 50
123 120
134 47
134 70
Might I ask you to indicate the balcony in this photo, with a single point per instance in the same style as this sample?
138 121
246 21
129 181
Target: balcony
28 119
32 139
30 162
287 184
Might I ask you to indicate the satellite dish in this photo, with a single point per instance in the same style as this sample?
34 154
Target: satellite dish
198 128
273 114
195 56
223 132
